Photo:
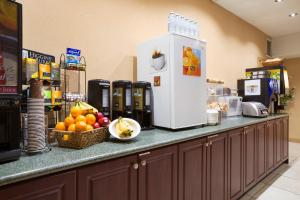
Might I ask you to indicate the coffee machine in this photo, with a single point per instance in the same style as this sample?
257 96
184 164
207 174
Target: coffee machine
263 90
142 104
99 95
10 80
277 73
121 99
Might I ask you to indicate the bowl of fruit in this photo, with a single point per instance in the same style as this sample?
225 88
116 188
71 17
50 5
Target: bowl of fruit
83 127
124 128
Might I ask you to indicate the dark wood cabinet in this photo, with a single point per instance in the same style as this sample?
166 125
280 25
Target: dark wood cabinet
216 167
56 187
111 180
279 141
235 163
158 174
261 137
192 170
147 176
249 157
285 122
271 145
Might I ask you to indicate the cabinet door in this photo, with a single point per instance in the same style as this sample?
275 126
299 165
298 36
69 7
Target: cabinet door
271 144
235 163
261 150
192 170
53 187
279 141
285 138
217 167
111 180
158 174
249 157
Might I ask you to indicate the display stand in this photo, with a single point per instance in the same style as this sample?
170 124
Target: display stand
71 98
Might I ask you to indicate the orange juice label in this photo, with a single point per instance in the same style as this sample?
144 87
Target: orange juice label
191 61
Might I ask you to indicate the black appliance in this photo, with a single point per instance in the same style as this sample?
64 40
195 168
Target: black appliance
99 95
142 106
264 90
121 99
278 73
10 80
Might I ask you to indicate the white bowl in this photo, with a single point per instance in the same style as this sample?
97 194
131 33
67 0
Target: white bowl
158 63
135 126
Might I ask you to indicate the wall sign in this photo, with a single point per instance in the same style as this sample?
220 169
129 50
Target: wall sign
41 57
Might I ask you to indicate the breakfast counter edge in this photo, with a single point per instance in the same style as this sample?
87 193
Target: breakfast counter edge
61 159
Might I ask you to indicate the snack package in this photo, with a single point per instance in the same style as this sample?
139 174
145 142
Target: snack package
56 97
73 57
30 69
47 95
55 72
45 71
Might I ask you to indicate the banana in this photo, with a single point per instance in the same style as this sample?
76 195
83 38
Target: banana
88 108
123 128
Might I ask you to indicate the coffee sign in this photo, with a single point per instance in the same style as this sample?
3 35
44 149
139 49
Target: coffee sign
40 57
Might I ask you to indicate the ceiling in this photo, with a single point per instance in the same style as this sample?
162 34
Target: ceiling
270 17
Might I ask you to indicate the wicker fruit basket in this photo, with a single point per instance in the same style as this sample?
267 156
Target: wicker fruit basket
80 140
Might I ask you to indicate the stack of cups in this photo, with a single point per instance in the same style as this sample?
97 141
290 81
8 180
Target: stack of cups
36 118
36 125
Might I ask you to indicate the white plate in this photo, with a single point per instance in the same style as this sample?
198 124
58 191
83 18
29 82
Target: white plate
135 126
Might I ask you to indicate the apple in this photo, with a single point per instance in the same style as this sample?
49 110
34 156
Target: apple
104 121
99 115
96 125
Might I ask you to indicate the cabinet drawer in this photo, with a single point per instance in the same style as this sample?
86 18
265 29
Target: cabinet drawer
54 187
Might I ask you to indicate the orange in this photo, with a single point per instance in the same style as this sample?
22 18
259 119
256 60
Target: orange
90 119
60 126
89 127
72 128
81 118
76 111
69 120
80 126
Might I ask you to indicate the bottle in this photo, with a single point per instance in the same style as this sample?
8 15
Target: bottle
181 25
186 29
196 30
177 24
190 28
171 22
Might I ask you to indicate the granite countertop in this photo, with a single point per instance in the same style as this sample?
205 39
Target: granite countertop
59 159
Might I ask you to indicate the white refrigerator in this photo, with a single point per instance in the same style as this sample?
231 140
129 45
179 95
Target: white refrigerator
176 68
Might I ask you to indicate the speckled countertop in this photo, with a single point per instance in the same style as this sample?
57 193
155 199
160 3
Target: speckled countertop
60 159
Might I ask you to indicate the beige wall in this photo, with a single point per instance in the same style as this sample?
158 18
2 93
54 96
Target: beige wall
108 32
293 66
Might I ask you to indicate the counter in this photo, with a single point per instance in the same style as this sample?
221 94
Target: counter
60 159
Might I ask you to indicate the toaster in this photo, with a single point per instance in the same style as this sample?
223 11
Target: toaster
254 109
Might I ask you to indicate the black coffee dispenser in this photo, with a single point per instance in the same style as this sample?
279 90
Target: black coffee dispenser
142 104
99 95
121 99
10 81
